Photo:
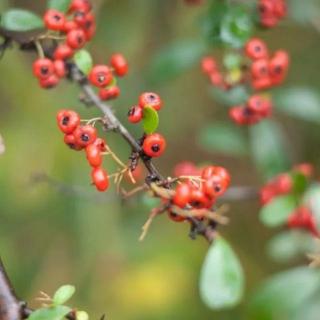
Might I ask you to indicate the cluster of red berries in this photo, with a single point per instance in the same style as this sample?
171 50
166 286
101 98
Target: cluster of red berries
214 181
257 108
283 183
78 26
79 137
266 71
271 12
102 76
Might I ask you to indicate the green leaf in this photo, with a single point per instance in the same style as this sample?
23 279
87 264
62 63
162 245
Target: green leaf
290 244
232 61
51 313
63 294
268 147
281 296
83 60
300 183
276 212
60 5
224 138
175 60
304 12
302 103
222 278
312 200
150 120
20 20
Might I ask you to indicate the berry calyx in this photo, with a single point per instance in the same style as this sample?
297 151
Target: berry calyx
100 76
150 99
85 135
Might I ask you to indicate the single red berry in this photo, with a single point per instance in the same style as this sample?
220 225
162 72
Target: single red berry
70 140
278 67
208 65
69 25
199 200
256 49
50 82
175 217
182 195
94 155
100 76
260 105
68 120
59 68
186 168
43 68
79 17
120 64
260 69
135 114
80 5
266 195
76 38
63 52
150 99
100 179
211 171
215 186
85 135
283 184
100 144
154 145
216 79
109 93
54 20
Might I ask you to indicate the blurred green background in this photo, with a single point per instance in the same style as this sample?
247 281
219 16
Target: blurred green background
50 235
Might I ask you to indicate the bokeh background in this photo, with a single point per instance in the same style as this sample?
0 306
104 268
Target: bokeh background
61 231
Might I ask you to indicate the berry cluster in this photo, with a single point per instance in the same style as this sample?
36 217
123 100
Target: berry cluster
271 12
79 137
76 28
257 108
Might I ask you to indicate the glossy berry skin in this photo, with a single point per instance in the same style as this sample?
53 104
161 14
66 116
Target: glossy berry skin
256 49
100 76
109 93
43 68
260 69
70 141
50 82
59 68
278 67
208 65
69 25
215 186
94 156
135 114
63 52
85 135
68 121
120 64
211 171
76 38
100 144
182 195
54 20
260 105
154 145
150 99
100 179
80 5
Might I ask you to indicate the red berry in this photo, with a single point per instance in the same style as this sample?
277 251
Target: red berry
120 64
76 38
154 145
85 135
260 105
100 179
100 144
306 169
100 76
215 186
261 83
69 25
198 199
135 114
208 65
256 49
150 99
182 195
63 52
109 93
54 20
278 67
82 5
94 156
283 184
50 82
70 140
216 79
43 68
79 17
186 168
260 69
59 68
211 171
280 9
266 195
68 120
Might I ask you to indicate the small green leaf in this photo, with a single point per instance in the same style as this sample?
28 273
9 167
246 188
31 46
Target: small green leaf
63 294
51 313
60 5
150 120
276 212
222 278
20 20
224 138
83 60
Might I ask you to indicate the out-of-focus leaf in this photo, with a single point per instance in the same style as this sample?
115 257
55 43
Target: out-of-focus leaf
82 315
20 20
304 12
302 103
300 183
310 310
175 60
2 146
276 212
269 148
222 278
60 5
51 313
83 61
232 61
63 294
281 296
224 138
312 200
232 97
290 244
150 120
